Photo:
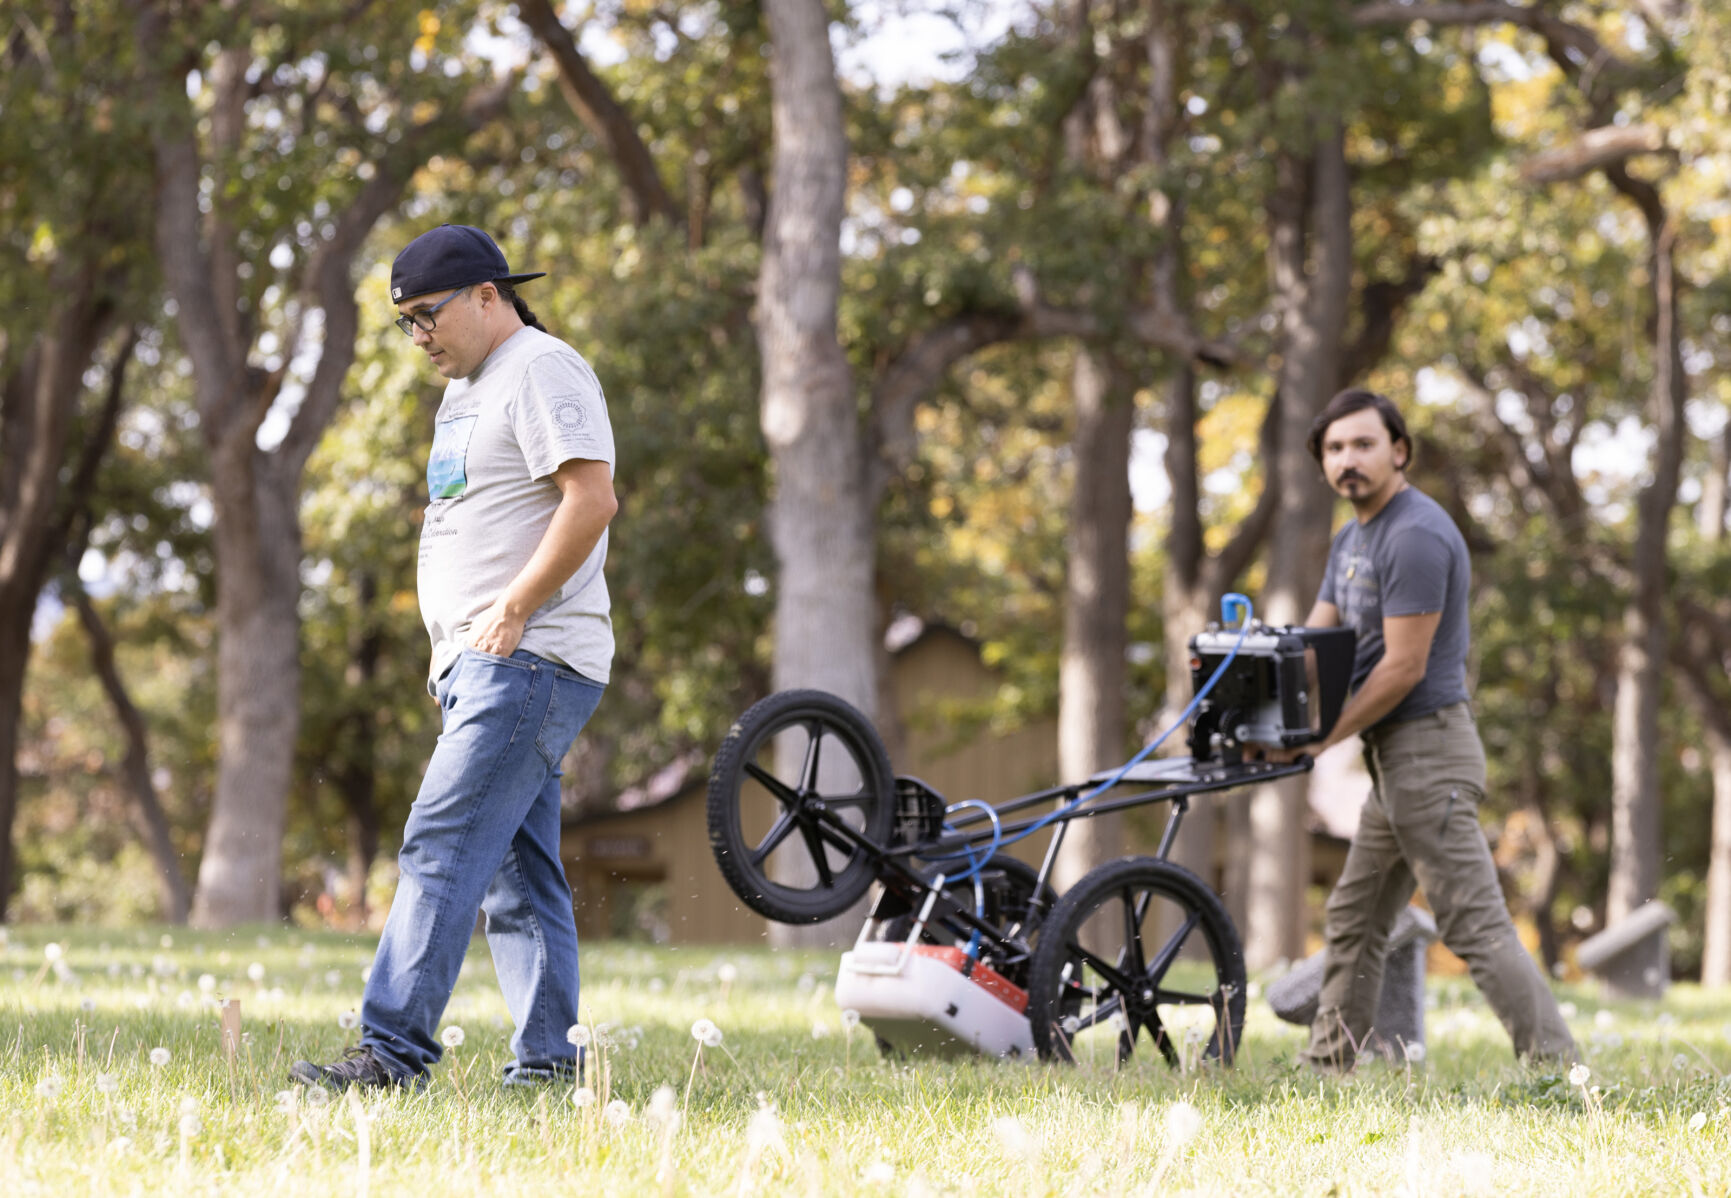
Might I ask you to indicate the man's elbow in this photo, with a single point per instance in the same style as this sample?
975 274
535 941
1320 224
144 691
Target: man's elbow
1407 673
606 504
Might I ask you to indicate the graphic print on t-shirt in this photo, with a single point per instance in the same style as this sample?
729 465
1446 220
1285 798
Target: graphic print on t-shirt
447 467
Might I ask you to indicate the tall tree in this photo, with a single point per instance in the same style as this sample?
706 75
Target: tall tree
72 269
260 266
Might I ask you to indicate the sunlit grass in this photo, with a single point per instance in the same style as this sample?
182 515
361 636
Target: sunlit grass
792 1099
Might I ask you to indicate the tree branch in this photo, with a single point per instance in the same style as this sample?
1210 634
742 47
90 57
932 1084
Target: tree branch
1596 149
603 116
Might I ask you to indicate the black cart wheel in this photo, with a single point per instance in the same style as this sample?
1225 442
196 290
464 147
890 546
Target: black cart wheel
795 769
1139 945
1007 885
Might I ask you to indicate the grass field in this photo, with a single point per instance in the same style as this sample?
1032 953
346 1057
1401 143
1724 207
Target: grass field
791 1101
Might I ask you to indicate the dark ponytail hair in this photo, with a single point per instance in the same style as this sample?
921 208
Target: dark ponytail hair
508 292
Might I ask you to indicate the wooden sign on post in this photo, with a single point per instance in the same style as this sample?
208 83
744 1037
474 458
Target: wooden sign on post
230 1027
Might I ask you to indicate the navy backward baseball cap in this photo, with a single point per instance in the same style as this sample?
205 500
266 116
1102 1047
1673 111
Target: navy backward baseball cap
449 257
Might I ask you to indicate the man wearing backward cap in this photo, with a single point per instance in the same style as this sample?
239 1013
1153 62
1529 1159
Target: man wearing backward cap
520 492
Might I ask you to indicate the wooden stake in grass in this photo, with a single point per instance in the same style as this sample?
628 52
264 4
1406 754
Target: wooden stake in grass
230 1028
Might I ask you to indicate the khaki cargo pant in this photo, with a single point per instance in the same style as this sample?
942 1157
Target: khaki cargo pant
1420 827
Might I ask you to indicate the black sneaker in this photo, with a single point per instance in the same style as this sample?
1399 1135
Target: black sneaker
359 1067
558 1073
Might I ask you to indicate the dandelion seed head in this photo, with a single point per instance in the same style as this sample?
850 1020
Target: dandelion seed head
1679 1061
286 1101
50 1087
190 1125
706 1033
1415 1052
1698 1120
1578 1075
87 1005
333 978
1183 1124
255 972
159 1056
763 1133
662 1104
582 1097
879 1173
577 1035
1014 1137
1070 1025
819 1030
318 1096
348 1021
1666 1019
727 972
119 1144
1568 1010
451 1037
188 1105
617 1113
849 1019
1603 1018
106 1083
53 951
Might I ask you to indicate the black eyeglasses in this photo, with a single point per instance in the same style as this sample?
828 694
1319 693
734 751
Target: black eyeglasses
424 318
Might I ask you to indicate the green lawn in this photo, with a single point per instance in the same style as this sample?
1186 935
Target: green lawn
788 1102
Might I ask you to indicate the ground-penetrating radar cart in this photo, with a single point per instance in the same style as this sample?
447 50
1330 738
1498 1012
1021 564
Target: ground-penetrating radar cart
965 946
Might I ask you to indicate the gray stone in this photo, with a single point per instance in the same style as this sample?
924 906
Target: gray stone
1632 957
1399 1010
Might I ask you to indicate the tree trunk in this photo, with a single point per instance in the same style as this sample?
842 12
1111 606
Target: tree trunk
1312 289
1636 742
357 779
258 550
38 399
1091 674
152 820
821 522
1716 933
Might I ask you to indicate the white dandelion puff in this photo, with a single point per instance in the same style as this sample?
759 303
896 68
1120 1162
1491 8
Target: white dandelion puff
87 1005
1679 1061
819 1030
333 978
727 972
1183 1124
191 1125
1014 1137
285 1101
188 1105
1698 1120
119 1144
1414 1052
703 1030
318 1096
1578 1075
207 982
849 1019
167 941
348 1021
577 1036
1568 1010
1603 1018
663 1105
50 1087
879 1173
451 1037
255 972
617 1113
582 1097
159 1056
106 1083
53 951
763 1133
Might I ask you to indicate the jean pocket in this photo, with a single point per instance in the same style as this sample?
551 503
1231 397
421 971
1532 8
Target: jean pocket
495 659
569 707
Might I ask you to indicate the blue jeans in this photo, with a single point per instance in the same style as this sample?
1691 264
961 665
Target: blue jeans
483 835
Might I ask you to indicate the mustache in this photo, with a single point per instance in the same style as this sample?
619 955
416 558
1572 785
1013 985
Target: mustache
1348 476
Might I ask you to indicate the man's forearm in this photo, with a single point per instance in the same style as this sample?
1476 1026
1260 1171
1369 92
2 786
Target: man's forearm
1388 683
571 536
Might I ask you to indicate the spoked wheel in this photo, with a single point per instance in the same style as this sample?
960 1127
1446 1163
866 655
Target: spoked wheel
1006 885
1139 952
794 766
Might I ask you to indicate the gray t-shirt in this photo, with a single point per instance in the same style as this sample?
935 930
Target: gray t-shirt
1409 560
533 405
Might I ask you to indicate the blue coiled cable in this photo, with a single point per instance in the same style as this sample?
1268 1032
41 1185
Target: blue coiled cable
977 859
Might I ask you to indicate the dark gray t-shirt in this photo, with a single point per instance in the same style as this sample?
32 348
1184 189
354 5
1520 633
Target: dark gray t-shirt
1409 560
